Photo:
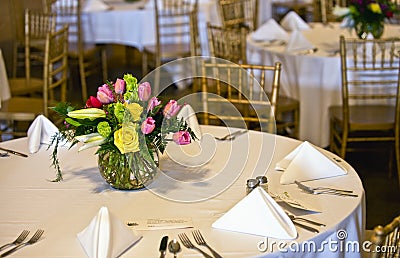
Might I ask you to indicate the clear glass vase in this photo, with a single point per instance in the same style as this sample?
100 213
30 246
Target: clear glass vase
364 28
128 171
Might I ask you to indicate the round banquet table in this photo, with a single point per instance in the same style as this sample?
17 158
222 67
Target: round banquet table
29 200
314 79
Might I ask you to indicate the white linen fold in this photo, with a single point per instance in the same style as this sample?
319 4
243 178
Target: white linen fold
258 214
106 236
292 21
96 6
270 30
40 132
298 42
306 163
188 115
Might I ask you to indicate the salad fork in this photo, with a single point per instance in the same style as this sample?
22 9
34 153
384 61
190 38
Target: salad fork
188 244
200 241
18 240
33 240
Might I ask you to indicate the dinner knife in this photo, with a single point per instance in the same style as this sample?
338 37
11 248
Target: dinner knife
305 227
14 152
163 246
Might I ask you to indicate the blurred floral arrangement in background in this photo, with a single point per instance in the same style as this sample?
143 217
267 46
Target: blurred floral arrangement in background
117 118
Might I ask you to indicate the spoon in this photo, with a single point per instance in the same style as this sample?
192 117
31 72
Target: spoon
174 247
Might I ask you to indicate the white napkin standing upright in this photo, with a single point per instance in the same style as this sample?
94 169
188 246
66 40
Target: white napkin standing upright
40 132
292 21
307 163
188 115
106 236
298 42
95 6
270 30
258 214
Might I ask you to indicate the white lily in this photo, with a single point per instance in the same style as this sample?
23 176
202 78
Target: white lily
90 113
90 140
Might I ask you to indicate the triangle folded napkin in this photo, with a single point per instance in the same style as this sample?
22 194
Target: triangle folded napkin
96 6
258 214
40 132
106 236
307 163
292 21
188 115
298 42
270 30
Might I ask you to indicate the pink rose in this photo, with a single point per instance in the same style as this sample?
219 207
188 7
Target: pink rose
148 125
93 102
171 109
181 137
144 91
153 103
120 86
104 94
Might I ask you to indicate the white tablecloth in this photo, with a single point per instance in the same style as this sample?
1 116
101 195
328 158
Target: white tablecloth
133 24
30 201
4 86
313 79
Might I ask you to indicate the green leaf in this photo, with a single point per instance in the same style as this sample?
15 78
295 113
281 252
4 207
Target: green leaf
72 122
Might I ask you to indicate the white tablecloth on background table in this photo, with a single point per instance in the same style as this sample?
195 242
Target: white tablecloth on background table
313 79
4 86
30 201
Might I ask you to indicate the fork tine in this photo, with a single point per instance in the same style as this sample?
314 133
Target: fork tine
22 236
36 236
198 237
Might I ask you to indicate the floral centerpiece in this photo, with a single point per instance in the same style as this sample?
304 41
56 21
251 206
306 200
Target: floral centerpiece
128 125
367 16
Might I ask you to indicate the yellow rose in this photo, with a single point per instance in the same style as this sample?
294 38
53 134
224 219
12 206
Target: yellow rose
127 138
375 8
135 109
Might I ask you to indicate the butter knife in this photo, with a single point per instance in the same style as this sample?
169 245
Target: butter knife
14 152
163 246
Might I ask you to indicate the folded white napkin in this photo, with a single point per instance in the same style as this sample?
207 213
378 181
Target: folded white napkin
307 163
106 236
270 30
292 21
188 114
95 6
258 214
298 42
40 132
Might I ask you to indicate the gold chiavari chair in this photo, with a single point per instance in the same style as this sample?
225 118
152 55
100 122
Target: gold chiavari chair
176 33
21 111
308 10
37 26
90 58
237 95
370 110
239 13
385 240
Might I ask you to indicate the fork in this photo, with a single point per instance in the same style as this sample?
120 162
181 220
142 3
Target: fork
200 241
188 244
230 136
33 240
18 240
308 188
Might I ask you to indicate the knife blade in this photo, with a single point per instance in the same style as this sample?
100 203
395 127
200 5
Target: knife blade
305 227
163 246
14 152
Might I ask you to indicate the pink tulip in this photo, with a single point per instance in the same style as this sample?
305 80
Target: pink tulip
93 102
144 91
153 103
105 95
148 125
181 137
120 86
171 109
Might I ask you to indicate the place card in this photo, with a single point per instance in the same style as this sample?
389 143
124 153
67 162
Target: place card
161 224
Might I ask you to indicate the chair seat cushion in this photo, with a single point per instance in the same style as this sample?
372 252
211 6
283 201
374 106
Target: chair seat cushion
366 117
16 108
19 86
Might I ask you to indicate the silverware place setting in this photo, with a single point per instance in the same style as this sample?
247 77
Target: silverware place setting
325 190
231 136
188 244
18 243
